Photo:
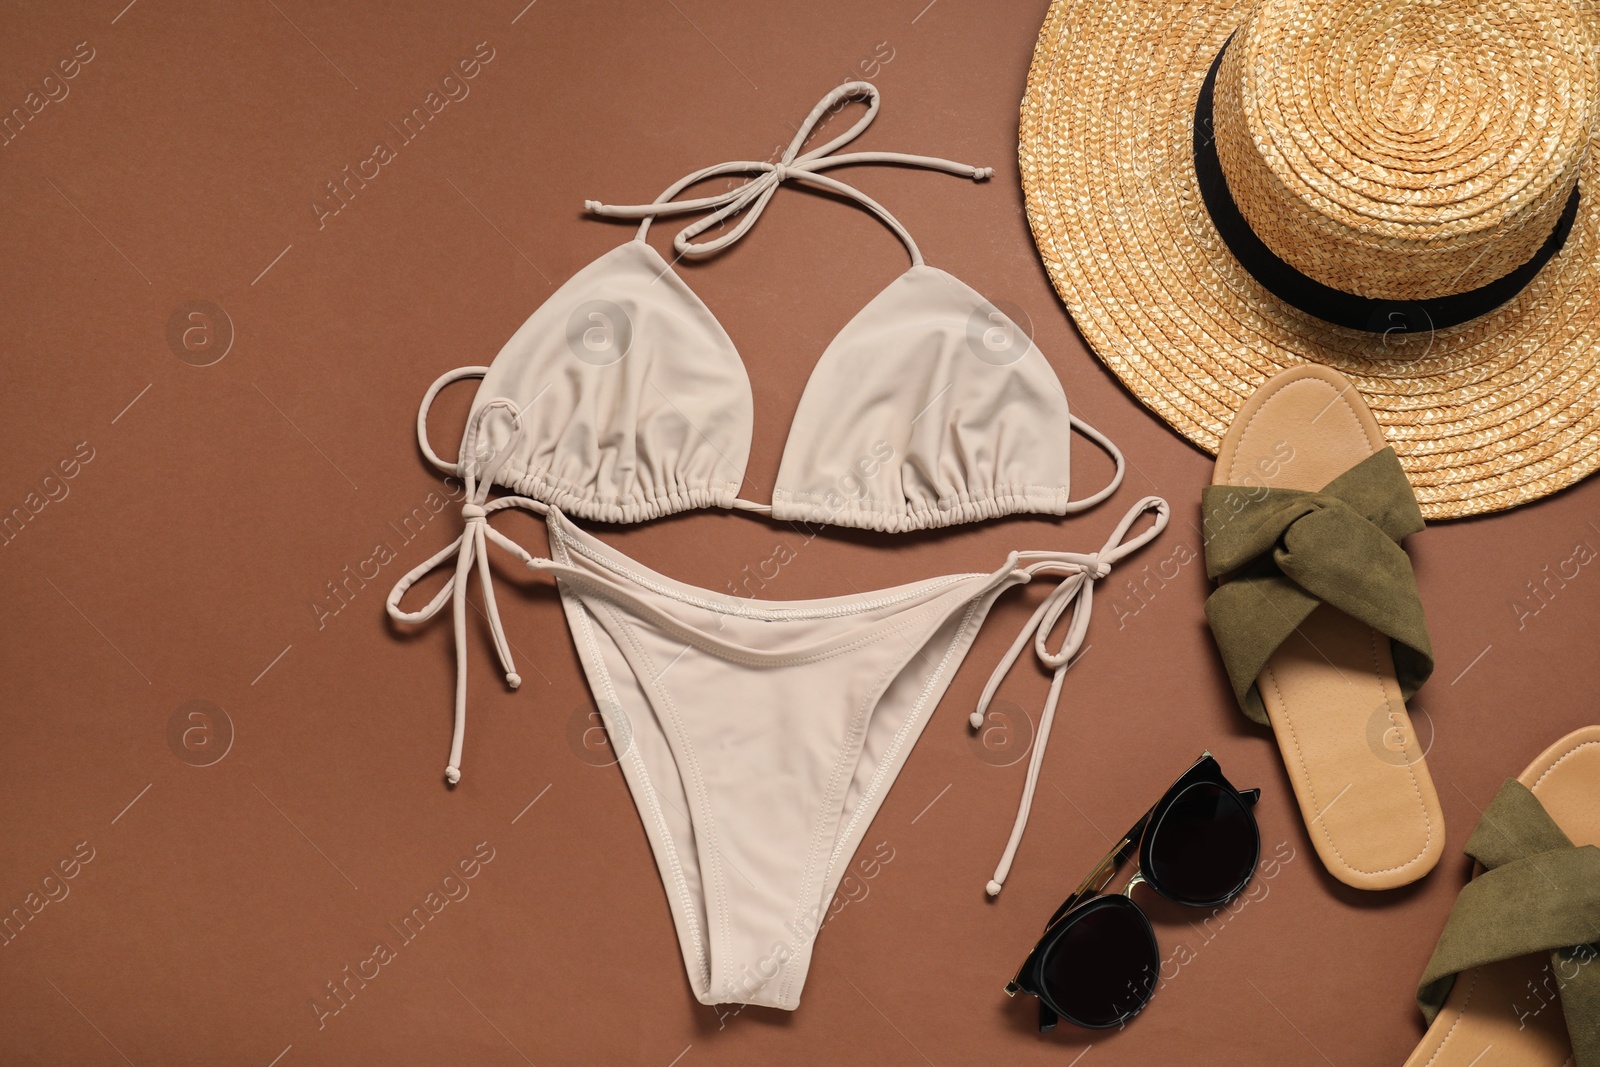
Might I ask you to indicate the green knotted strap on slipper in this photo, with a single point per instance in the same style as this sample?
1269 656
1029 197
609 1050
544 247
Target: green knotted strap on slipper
1538 893
1289 550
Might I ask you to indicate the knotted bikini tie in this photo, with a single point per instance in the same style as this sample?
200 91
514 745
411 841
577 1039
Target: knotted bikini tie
478 474
1075 592
750 198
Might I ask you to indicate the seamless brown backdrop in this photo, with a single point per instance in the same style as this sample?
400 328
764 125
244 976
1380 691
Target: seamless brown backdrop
210 507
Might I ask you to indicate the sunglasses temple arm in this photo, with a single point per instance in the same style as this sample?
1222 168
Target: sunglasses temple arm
1123 851
1120 853
1105 870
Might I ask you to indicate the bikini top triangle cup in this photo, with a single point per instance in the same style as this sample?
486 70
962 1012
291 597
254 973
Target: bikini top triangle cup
627 400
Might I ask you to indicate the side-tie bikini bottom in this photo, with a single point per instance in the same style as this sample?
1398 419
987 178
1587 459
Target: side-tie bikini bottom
758 737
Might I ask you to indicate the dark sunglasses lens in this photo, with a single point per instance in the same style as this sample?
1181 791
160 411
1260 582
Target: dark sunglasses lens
1103 968
1204 846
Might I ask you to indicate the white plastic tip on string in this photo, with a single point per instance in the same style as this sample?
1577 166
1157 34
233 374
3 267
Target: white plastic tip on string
993 888
976 719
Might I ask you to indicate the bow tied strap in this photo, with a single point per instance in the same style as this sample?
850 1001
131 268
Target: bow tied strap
1074 593
478 473
1284 552
751 198
1538 893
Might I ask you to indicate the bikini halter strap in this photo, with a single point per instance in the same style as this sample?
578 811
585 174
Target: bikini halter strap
751 197
1075 593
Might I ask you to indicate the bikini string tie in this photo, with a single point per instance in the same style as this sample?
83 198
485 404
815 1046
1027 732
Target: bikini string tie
1074 594
751 197
478 473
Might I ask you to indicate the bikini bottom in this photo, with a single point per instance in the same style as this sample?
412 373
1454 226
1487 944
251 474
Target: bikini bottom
759 738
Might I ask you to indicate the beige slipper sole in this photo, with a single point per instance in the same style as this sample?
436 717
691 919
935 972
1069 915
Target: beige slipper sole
1330 690
1507 1013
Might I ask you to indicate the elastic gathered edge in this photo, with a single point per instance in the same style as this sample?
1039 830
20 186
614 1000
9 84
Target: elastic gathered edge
875 515
543 486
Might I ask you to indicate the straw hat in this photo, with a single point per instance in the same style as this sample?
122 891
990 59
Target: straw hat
1400 189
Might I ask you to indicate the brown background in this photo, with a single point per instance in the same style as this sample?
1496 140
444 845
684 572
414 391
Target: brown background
184 562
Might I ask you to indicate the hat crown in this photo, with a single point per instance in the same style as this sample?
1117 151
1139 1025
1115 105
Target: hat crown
1405 149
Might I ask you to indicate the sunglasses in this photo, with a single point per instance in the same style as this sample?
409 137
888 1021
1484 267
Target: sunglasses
1097 963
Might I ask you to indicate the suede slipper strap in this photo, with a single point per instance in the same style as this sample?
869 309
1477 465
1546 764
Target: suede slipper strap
1285 551
1539 893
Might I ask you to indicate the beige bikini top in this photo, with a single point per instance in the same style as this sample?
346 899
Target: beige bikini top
622 398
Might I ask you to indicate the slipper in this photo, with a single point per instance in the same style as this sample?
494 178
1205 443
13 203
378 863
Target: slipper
1318 619
1518 955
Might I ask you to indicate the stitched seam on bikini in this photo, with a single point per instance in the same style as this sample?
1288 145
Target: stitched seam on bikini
776 614
899 739
874 785
889 757
655 807
857 727
804 614
905 728
710 830
685 897
696 640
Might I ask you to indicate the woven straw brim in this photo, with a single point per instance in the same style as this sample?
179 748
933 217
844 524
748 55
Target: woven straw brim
1486 415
